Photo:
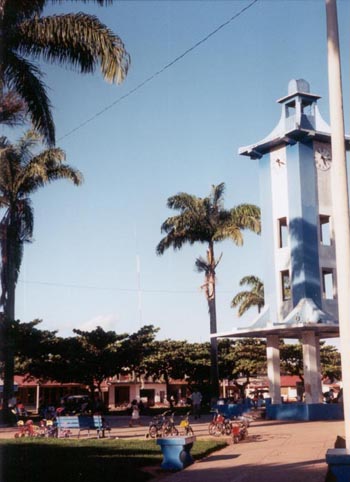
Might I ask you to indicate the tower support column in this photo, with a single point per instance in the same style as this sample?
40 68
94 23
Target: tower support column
312 367
273 367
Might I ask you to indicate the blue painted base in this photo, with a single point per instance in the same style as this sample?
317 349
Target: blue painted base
304 412
233 409
338 461
176 452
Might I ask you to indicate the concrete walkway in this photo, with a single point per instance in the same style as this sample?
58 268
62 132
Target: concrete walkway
274 452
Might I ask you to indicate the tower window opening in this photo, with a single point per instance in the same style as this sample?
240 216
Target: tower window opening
327 284
283 232
286 288
290 109
306 107
325 230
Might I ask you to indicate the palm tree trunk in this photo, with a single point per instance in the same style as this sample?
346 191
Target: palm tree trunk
214 369
9 317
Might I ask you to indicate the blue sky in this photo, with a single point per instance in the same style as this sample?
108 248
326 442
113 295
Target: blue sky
180 132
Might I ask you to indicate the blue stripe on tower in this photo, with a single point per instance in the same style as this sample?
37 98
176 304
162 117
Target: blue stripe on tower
267 236
303 223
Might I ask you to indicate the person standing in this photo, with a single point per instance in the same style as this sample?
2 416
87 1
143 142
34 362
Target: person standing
196 398
135 414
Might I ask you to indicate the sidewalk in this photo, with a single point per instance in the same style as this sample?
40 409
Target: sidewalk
275 451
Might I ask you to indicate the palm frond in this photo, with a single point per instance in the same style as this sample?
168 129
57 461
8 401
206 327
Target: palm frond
217 193
183 201
247 216
15 11
12 109
79 40
24 78
238 298
247 299
202 266
250 280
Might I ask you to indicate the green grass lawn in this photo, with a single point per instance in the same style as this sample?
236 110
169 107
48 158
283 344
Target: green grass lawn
72 460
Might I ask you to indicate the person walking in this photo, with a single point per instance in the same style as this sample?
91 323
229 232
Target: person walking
196 398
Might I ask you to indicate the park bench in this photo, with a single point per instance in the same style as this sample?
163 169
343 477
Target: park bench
80 423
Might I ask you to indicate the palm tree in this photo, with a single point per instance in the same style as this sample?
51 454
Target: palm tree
247 299
22 173
78 40
205 220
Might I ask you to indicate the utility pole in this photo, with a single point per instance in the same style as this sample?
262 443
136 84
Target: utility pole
340 202
139 292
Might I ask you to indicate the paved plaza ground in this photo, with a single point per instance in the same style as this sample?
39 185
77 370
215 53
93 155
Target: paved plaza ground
274 451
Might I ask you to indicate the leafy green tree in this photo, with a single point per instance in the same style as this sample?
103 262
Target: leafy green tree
248 298
77 40
88 358
291 356
135 348
22 173
205 220
249 360
198 368
292 360
167 361
330 362
32 347
96 357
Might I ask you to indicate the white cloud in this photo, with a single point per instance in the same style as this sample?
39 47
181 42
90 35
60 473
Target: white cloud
107 322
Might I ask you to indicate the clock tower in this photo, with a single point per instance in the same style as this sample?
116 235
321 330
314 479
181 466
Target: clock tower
296 203
298 249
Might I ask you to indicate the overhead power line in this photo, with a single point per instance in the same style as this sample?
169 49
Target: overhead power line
156 74
105 288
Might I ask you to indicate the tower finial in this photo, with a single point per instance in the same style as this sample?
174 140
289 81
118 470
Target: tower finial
298 85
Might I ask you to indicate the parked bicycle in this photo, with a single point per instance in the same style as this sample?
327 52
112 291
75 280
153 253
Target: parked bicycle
169 428
220 425
156 425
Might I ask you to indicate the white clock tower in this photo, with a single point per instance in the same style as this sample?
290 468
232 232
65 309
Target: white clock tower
295 165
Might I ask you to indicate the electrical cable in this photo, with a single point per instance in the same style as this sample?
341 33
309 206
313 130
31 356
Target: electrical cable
103 288
156 74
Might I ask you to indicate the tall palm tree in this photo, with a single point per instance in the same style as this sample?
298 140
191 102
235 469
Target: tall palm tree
22 173
248 298
205 220
78 40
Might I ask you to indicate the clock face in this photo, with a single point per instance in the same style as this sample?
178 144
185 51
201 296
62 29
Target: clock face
323 158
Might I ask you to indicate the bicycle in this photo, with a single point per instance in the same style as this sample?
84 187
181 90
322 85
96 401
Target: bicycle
156 425
219 425
185 424
169 428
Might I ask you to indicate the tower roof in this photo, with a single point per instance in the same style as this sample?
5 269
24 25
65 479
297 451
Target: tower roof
298 87
300 119
305 316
